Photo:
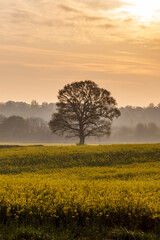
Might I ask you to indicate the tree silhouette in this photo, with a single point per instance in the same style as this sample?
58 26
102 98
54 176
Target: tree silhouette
84 110
14 127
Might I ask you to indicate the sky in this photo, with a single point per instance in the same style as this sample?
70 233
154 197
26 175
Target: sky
46 44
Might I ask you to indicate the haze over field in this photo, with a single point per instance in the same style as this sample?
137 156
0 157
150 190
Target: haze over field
22 122
46 44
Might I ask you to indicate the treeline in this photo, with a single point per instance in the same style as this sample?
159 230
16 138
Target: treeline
141 133
18 129
23 122
25 110
130 116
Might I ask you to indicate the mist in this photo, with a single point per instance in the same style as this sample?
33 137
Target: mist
28 123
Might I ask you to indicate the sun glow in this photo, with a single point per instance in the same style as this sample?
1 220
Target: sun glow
146 10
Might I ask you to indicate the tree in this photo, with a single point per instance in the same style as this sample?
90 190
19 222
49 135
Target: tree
14 127
83 110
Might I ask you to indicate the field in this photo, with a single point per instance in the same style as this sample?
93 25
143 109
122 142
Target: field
80 192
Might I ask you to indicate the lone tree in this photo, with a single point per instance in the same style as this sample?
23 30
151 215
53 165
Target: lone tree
84 110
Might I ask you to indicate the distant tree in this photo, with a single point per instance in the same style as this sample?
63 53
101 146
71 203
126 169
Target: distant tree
140 131
36 124
44 104
14 122
152 128
84 110
2 118
151 105
13 127
34 103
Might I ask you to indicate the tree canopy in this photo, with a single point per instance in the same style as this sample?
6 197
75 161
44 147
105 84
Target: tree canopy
84 110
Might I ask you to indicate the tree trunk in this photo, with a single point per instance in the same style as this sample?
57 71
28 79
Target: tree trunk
81 136
82 139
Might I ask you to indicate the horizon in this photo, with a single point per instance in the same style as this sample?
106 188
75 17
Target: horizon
40 103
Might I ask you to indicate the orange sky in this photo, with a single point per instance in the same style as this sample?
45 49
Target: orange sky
46 44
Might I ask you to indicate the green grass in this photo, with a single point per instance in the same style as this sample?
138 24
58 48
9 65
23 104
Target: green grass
80 192
24 159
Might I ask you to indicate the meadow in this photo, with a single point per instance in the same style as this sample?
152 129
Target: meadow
80 192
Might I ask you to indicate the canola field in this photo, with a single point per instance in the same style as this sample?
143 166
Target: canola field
108 186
